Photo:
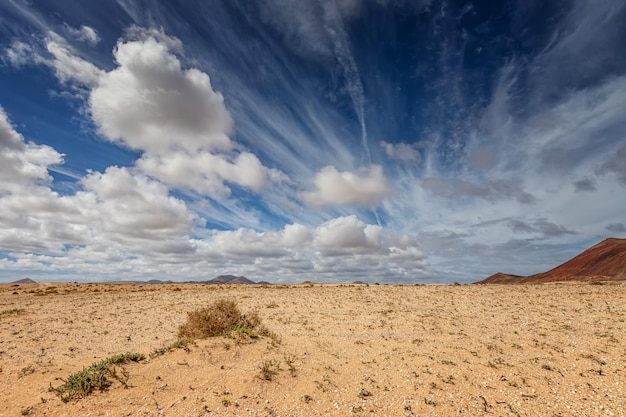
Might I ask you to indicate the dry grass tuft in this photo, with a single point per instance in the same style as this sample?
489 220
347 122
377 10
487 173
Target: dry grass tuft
220 318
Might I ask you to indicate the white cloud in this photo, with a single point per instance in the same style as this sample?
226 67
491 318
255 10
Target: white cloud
205 172
345 188
67 66
133 206
85 34
20 53
22 163
150 103
349 235
61 58
402 151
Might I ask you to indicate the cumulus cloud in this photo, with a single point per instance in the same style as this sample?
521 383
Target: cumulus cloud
344 188
122 221
133 206
117 207
402 151
22 163
349 235
33 217
345 245
150 103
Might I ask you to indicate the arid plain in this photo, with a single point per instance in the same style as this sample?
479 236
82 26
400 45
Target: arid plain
344 350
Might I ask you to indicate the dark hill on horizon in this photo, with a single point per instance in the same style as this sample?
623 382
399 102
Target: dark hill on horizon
24 281
230 279
605 261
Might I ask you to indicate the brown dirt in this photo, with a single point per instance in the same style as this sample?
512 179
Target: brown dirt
345 350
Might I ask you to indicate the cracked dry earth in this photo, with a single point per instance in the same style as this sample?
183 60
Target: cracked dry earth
344 350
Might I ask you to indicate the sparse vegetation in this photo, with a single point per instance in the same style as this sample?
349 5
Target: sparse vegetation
12 311
221 318
363 394
269 369
289 360
181 343
95 377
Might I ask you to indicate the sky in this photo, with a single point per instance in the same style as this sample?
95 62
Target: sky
425 141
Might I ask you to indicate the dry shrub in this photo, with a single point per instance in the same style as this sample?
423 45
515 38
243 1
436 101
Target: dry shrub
220 318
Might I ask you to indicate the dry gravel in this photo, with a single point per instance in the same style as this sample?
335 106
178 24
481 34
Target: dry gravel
345 350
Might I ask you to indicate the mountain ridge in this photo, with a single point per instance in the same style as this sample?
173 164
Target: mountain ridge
604 261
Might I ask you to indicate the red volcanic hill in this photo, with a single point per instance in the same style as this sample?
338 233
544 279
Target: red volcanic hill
605 261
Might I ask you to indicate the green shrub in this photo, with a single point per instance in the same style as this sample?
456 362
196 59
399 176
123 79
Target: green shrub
95 377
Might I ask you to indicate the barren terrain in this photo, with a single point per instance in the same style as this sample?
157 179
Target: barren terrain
345 350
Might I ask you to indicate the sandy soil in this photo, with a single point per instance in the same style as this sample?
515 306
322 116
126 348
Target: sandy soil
345 350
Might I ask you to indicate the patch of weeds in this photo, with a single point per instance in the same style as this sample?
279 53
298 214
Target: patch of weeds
595 359
276 339
220 318
27 370
15 311
26 411
513 410
95 377
449 380
225 402
363 394
307 398
181 343
269 369
428 401
320 386
447 362
289 360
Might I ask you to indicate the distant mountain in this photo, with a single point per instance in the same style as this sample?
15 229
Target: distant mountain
230 279
605 261
501 278
24 281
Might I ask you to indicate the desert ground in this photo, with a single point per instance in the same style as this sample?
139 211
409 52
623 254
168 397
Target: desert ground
343 350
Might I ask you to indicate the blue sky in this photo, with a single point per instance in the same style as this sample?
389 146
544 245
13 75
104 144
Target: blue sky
326 140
